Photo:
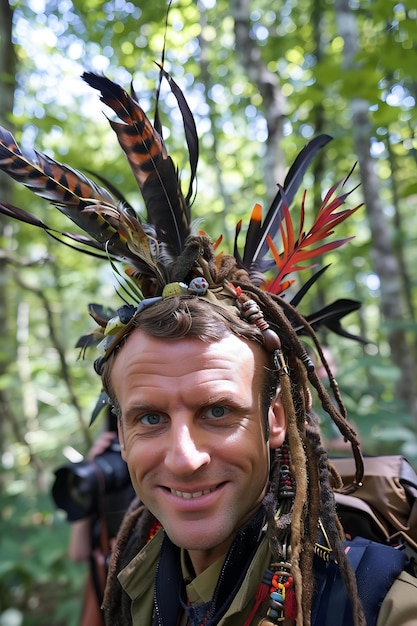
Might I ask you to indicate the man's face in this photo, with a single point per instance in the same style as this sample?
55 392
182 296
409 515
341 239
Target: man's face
193 435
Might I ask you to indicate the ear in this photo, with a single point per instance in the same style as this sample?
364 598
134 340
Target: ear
277 423
121 436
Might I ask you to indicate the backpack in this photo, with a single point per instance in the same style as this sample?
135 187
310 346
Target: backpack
380 522
384 509
375 565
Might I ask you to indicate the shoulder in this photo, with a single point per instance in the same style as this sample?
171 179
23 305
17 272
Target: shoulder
399 607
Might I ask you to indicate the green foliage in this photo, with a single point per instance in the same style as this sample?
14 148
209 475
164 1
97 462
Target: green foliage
33 544
49 286
366 379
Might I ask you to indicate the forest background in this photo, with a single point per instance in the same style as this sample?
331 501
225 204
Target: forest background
261 78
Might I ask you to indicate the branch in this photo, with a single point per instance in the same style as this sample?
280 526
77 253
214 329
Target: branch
65 372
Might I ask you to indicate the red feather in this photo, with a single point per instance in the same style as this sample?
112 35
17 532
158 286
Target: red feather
298 250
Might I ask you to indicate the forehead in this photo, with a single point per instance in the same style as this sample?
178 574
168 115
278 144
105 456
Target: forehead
143 359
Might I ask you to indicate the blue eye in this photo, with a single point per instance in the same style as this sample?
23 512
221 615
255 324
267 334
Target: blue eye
218 411
151 419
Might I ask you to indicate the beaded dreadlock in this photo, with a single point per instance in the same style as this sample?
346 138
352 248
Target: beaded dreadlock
171 268
307 499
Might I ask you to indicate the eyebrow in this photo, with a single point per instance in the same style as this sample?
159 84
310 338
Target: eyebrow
139 407
223 399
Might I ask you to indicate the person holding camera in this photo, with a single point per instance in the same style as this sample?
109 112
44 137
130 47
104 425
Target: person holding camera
95 494
83 546
80 544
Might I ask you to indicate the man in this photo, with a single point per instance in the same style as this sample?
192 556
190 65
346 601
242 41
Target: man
235 522
201 426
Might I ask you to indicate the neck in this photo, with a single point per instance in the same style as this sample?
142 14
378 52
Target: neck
202 559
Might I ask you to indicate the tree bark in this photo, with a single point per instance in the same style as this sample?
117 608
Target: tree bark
7 88
383 256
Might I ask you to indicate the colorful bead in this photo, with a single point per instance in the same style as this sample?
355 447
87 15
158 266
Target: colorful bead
251 311
198 286
271 340
308 363
174 289
278 599
126 312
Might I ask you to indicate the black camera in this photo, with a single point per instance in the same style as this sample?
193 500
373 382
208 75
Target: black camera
86 488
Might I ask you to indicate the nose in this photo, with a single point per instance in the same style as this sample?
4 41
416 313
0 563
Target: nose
186 451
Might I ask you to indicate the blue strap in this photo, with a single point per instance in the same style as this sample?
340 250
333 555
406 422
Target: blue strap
375 573
376 567
339 609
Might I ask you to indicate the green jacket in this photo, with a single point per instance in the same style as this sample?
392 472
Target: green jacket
137 578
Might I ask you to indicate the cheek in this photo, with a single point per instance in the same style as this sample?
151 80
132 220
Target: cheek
249 449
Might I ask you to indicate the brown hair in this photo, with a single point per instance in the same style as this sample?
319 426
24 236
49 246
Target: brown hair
179 317
313 498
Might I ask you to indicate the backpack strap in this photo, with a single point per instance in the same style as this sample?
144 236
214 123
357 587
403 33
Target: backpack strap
376 566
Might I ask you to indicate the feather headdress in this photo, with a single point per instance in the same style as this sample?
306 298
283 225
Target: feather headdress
164 258
162 255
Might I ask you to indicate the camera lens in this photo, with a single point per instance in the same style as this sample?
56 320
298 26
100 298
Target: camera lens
78 486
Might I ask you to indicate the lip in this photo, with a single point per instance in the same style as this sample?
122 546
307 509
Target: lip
191 495
193 498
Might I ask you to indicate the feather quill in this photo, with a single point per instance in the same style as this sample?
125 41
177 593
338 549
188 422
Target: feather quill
330 317
156 249
81 240
190 129
153 169
116 228
69 190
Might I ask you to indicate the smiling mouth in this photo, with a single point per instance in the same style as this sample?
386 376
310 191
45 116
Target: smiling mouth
190 495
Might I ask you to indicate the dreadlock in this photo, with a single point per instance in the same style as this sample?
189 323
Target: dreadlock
314 497
313 502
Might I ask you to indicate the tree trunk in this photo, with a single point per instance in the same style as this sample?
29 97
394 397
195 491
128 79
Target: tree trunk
267 82
7 88
384 259
206 79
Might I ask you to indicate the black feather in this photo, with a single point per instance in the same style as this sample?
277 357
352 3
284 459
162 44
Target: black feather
254 255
